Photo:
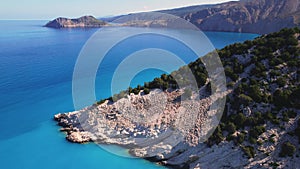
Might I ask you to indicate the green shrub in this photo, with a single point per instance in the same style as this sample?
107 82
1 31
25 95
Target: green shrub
274 73
231 128
281 81
272 118
136 91
100 102
230 84
230 137
146 91
240 138
255 93
271 140
249 151
246 100
239 120
259 142
285 117
252 140
256 131
229 72
255 120
119 96
282 98
216 137
288 114
287 149
274 164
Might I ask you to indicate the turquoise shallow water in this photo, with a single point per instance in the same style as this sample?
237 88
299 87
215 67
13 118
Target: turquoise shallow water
36 66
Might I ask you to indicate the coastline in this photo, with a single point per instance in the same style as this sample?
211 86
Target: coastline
162 152
155 127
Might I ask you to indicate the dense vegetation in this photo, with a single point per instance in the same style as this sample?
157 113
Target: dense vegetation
287 149
266 89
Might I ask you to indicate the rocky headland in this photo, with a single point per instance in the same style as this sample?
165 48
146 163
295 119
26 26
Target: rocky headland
82 22
260 126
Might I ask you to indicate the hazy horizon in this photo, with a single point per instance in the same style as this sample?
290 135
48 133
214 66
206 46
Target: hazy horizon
46 10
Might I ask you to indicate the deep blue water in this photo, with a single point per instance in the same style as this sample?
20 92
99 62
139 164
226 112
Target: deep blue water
36 66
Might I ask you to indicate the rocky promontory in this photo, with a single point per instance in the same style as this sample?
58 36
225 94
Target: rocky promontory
82 22
259 128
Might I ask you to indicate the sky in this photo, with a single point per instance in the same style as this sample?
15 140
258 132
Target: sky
50 9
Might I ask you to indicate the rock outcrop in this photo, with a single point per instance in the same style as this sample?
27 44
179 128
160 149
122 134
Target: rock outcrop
151 126
82 22
136 116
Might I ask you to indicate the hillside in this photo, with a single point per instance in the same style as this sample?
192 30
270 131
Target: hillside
82 22
251 16
260 126
254 16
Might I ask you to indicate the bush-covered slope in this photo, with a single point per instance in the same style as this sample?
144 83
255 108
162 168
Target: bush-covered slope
262 111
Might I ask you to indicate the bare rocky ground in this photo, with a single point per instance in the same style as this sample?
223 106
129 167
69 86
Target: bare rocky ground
158 126
136 116
161 128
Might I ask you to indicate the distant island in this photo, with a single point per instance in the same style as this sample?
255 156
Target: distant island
260 126
82 22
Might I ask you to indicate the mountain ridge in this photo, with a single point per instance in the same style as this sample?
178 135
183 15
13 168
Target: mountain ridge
247 16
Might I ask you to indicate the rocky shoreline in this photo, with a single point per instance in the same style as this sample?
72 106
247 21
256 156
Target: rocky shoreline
111 123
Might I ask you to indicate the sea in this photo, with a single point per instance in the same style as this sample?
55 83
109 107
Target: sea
36 70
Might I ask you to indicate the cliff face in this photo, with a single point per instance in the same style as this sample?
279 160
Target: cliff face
85 21
255 16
